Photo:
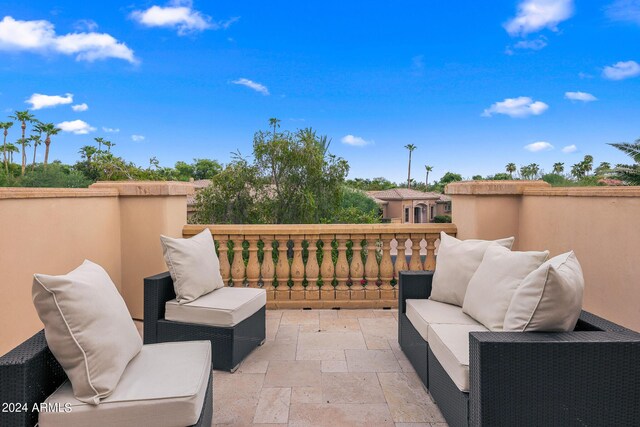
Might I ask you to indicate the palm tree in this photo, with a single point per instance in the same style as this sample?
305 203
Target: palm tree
5 126
99 141
629 173
108 144
587 164
409 147
577 170
276 124
603 168
427 169
535 168
558 168
37 140
49 130
510 168
23 117
87 152
11 148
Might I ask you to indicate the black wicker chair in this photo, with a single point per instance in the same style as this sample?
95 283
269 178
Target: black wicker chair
229 345
30 373
590 376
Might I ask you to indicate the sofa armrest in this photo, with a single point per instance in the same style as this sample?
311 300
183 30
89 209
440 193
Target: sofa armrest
28 375
158 290
568 378
413 285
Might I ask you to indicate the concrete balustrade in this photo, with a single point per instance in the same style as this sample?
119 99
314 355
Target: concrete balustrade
353 268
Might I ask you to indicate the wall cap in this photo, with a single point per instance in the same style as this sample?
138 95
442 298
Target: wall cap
147 188
44 193
493 188
585 191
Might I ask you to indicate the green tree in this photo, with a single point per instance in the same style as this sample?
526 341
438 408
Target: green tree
428 169
36 140
87 152
510 168
629 173
476 177
409 147
558 168
205 168
100 141
577 170
602 169
587 164
23 117
49 129
5 127
11 148
108 144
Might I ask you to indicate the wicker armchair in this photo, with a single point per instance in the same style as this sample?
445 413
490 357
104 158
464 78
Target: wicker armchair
229 345
590 376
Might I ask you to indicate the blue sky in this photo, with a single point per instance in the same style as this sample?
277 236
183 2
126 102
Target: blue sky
472 84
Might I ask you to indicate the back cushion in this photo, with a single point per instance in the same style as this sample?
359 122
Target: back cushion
549 298
457 261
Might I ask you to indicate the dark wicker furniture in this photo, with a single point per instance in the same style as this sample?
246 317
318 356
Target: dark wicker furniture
229 345
590 376
30 373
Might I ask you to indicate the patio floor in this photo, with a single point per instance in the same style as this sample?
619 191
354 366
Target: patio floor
325 368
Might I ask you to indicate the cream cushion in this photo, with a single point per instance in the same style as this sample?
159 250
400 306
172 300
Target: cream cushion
549 298
164 385
224 307
494 283
450 345
424 312
456 262
88 328
193 265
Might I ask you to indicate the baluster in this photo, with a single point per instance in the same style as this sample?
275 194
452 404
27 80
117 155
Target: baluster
372 292
253 266
312 269
401 257
342 268
430 262
267 269
415 263
327 291
282 269
297 269
356 270
237 268
223 256
386 269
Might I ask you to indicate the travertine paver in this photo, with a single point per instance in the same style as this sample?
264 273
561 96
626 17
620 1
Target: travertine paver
325 368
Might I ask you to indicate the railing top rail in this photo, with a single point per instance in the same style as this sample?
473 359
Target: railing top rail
318 229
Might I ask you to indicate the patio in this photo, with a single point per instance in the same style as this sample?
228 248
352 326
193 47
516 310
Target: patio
325 367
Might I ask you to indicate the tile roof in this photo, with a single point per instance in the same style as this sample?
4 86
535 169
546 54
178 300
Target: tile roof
404 194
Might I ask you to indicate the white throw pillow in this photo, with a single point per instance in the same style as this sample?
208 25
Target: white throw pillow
493 284
549 299
456 262
193 264
88 328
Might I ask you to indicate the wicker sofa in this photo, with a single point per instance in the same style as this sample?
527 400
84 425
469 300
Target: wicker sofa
229 344
32 380
590 376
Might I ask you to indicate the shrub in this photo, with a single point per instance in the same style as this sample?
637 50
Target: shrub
442 218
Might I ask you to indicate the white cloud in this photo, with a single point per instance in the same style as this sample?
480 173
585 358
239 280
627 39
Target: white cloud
181 16
535 15
85 25
39 101
580 96
538 146
624 10
40 37
137 138
253 85
80 107
523 106
537 44
355 141
621 70
78 127
570 149
110 130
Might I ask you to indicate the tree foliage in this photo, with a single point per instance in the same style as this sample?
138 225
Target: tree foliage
628 173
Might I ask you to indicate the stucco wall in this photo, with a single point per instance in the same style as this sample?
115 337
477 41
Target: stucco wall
599 224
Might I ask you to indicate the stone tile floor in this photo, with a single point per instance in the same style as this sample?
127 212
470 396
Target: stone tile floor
325 368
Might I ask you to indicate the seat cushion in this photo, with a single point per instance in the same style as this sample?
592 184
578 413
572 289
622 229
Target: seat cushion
88 328
549 299
193 265
450 345
223 307
496 280
456 263
424 312
164 385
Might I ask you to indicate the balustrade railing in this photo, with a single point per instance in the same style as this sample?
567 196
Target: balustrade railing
324 266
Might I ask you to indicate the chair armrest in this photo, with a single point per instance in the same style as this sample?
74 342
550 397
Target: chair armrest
568 378
158 290
28 375
413 285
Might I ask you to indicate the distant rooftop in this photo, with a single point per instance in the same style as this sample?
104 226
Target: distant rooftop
404 194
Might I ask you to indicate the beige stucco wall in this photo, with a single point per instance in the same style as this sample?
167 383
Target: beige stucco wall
116 225
599 224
